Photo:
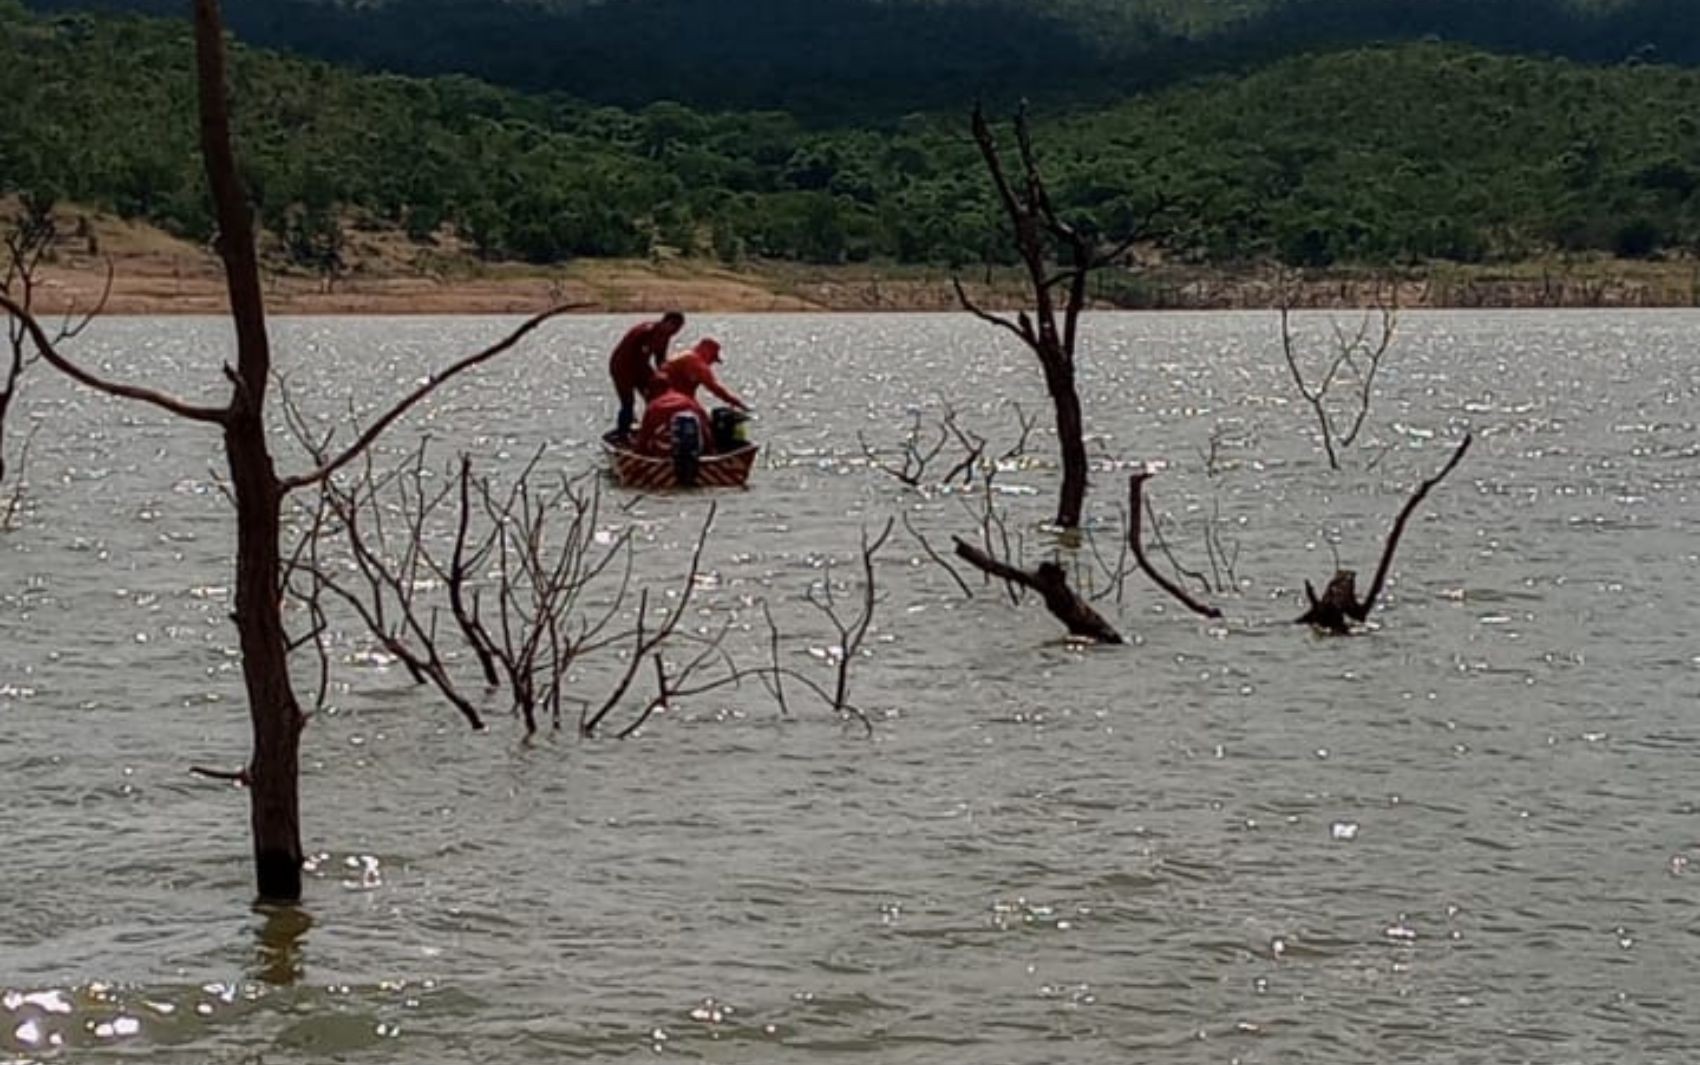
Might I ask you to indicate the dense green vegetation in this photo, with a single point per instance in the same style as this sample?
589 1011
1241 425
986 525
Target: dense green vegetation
1455 155
871 61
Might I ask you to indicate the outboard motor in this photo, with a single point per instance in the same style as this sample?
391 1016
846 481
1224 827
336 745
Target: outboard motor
687 448
728 427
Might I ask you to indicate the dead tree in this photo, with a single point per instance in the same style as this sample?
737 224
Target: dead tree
918 457
257 489
1354 362
532 586
1042 236
540 591
851 634
28 237
1339 605
380 577
1050 580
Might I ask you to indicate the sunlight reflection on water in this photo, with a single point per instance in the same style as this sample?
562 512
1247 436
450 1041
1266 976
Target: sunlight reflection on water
1461 836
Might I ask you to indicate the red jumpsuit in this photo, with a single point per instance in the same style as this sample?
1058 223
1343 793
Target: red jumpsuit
655 435
686 372
634 360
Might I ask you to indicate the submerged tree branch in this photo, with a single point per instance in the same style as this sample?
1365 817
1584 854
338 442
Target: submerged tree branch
1339 606
1380 580
1051 582
1135 487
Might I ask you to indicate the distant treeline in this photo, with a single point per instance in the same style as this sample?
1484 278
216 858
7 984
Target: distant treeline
1388 155
858 61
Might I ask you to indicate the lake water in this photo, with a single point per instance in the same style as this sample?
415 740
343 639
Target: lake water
1464 836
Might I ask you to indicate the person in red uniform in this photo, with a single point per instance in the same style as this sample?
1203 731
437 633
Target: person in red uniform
655 435
636 358
691 369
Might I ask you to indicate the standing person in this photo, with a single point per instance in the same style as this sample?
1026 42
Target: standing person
692 368
638 355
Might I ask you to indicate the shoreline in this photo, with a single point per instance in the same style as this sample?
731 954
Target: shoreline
628 288
153 273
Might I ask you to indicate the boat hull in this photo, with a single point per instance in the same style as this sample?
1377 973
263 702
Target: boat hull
632 469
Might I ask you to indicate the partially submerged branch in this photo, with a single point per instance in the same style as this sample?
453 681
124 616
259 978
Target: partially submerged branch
917 457
647 644
1135 487
1339 606
1051 582
938 559
851 634
13 499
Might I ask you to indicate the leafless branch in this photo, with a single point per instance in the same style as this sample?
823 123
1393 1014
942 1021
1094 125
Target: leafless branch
239 777
1115 575
45 347
27 241
477 637
390 578
20 483
646 644
938 559
1358 354
915 457
851 633
1136 485
1026 422
1168 552
1338 606
428 386
1016 327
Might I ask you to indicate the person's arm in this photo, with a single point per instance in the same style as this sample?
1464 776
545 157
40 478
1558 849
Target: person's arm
657 349
712 383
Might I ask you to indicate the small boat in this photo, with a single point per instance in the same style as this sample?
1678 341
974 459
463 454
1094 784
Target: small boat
686 466
634 469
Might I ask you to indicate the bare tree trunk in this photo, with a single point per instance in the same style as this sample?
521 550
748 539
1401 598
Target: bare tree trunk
274 712
1040 233
1071 435
276 718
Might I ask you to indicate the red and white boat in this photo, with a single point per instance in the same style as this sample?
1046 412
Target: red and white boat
634 469
686 463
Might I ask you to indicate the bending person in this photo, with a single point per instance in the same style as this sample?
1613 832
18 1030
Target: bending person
691 369
655 435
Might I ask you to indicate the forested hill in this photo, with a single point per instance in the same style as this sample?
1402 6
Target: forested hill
1454 155
873 60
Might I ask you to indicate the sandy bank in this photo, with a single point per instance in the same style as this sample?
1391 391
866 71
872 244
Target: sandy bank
153 273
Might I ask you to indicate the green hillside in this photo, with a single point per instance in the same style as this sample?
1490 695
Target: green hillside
869 62
1456 155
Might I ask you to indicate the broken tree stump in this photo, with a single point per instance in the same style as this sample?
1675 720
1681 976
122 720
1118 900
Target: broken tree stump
1338 606
1051 582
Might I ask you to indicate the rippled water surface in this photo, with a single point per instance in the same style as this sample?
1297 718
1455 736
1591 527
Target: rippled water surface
1463 836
